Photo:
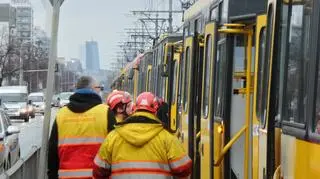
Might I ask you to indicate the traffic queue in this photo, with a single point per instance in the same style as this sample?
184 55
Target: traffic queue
114 139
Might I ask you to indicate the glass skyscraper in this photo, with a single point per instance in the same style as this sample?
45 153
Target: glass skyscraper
92 56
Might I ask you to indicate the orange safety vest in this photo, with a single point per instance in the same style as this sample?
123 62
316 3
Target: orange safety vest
80 136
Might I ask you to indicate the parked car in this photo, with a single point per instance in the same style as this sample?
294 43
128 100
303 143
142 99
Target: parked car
64 98
9 142
14 100
38 102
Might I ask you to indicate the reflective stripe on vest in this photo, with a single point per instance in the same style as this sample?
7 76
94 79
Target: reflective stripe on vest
82 140
75 173
179 162
101 163
141 167
140 176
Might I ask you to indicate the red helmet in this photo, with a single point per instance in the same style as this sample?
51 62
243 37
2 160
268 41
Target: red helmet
148 102
117 97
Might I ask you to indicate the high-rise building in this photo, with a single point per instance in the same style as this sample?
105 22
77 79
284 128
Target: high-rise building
7 19
5 14
24 19
41 39
92 56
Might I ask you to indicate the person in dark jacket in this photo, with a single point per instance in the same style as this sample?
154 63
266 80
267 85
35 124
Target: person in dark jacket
78 131
163 114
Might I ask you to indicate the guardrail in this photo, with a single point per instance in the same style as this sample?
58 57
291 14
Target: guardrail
25 168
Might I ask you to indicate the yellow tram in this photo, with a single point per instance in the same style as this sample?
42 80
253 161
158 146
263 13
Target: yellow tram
242 83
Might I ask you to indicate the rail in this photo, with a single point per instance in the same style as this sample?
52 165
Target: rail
24 168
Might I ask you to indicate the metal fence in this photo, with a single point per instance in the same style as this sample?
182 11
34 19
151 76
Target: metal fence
25 168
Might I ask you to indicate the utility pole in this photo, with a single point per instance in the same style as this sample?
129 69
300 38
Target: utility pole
148 17
56 4
170 16
157 22
152 25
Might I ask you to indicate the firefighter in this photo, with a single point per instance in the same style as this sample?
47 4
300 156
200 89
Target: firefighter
140 147
120 103
78 131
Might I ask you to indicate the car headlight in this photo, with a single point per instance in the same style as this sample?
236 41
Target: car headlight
43 106
30 109
23 110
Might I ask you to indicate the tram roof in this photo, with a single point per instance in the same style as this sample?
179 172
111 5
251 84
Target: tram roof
197 8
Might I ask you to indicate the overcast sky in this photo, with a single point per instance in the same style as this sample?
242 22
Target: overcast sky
100 20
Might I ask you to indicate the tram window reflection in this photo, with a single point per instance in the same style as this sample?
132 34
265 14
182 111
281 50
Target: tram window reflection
220 81
316 122
174 81
298 55
205 104
317 127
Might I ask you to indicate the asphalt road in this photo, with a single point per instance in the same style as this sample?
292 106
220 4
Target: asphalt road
31 132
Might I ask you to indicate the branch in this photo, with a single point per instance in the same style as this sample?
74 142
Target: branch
5 74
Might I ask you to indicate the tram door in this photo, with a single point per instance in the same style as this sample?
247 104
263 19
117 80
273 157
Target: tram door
257 124
191 97
135 82
187 135
149 79
207 139
263 95
174 91
233 90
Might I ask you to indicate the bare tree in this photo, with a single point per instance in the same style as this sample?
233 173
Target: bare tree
35 64
9 62
34 56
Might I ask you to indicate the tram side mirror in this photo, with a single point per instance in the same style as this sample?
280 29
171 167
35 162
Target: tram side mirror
131 74
164 70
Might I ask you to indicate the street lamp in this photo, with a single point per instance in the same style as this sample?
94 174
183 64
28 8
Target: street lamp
56 4
21 63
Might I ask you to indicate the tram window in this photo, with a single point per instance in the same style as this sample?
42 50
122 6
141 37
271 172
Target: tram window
220 82
316 119
149 80
186 62
196 26
164 87
140 81
205 104
214 14
174 81
186 31
298 54
238 56
264 68
130 86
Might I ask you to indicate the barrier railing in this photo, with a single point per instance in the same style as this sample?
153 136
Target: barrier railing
25 168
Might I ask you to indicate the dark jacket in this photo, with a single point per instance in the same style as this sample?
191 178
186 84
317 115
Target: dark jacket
163 115
80 101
